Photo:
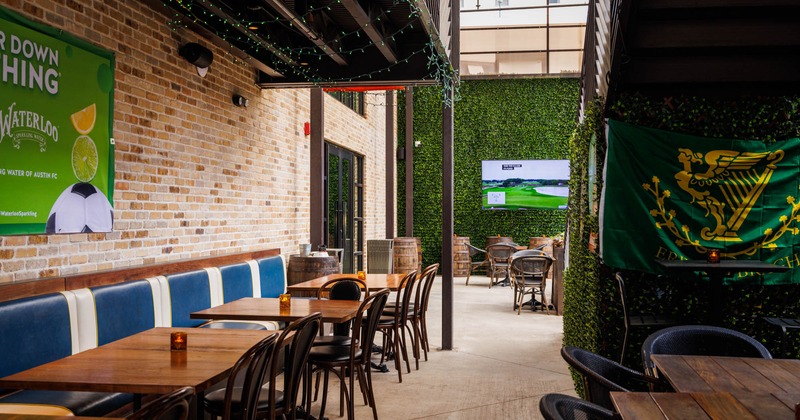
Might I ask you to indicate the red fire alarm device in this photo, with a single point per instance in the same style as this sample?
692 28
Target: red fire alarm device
307 128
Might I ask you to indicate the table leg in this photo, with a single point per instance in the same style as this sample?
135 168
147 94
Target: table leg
715 298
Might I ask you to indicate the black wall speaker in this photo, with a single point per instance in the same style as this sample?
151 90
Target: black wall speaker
196 54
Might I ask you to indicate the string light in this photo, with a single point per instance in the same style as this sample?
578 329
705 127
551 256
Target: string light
288 60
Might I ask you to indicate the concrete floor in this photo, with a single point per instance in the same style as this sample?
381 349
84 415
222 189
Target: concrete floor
501 365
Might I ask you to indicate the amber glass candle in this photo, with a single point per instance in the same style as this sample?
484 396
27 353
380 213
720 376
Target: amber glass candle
285 301
713 256
362 275
178 341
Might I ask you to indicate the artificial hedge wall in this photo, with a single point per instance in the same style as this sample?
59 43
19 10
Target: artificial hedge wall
512 119
593 312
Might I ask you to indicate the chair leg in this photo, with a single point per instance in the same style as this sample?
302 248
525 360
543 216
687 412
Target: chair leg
544 301
624 344
370 394
324 394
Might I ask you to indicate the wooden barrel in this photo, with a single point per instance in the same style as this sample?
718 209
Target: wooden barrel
539 241
461 260
406 254
491 240
306 268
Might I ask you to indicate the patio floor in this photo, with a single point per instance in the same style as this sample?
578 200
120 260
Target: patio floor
501 365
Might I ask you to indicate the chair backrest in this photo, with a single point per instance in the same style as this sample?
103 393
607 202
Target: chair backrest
567 407
343 289
348 288
366 327
252 365
601 375
623 298
530 267
500 252
529 252
171 406
700 340
300 334
474 250
428 277
405 292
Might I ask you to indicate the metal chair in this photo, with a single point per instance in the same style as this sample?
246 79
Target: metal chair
499 256
394 323
601 376
637 320
786 325
171 406
529 276
700 340
566 407
474 265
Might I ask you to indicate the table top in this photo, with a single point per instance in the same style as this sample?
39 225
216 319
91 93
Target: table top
730 266
374 281
704 405
729 374
268 309
143 363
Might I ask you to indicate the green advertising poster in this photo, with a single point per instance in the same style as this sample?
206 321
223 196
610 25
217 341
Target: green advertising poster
56 146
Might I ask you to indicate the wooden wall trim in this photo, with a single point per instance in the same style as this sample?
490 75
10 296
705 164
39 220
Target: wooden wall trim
99 278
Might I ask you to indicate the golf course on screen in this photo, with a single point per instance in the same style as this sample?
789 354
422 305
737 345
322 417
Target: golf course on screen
524 185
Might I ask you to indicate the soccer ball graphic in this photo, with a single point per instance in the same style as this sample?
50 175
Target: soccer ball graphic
81 208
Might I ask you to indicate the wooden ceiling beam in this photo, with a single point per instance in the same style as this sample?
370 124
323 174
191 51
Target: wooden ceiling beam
287 13
711 70
725 33
365 22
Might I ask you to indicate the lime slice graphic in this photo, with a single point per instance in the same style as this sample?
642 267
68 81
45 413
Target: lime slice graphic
84 159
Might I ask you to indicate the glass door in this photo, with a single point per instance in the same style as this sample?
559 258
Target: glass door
345 205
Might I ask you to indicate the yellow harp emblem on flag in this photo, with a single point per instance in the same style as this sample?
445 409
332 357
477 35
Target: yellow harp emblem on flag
726 184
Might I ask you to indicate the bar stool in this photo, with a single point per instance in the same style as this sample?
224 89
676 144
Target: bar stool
786 325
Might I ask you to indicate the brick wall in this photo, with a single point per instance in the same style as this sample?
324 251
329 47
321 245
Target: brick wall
195 175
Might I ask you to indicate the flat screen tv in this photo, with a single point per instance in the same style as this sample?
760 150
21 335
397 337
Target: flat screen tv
524 184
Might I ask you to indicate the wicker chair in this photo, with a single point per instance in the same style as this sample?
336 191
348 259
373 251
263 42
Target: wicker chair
529 276
700 340
601 376
565 407
499 256
474 265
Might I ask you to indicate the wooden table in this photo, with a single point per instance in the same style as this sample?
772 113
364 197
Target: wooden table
729 374
704 405
374 281
268 309
764 388
143 363
716 273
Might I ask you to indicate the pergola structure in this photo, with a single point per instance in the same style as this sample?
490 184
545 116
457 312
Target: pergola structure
719 48
344 43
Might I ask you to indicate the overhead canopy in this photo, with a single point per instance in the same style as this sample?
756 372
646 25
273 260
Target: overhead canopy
302 43
713 47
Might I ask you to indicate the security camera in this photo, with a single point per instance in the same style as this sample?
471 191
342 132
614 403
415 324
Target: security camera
196 54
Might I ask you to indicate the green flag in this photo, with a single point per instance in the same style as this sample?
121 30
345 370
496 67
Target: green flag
674 196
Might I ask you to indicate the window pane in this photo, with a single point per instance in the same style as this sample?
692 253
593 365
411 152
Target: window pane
567 38
566 62
499 40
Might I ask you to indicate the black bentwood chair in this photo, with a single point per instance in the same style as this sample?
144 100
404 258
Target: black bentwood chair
700 340
566 407
171 406
348 361
601 376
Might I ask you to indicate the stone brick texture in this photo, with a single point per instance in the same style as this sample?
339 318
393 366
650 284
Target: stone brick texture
195 176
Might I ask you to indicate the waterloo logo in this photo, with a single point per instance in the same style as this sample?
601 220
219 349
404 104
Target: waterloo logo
23 125
726 185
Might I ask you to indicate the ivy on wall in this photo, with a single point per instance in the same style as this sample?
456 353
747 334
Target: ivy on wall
512 119
593 312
